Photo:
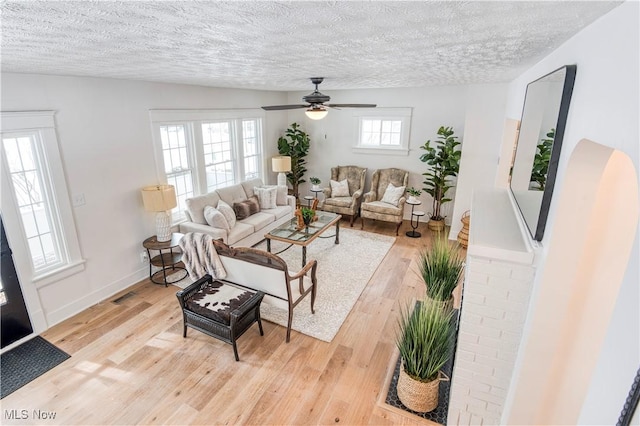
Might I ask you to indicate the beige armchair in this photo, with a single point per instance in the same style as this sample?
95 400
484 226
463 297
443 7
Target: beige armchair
345 205
372 205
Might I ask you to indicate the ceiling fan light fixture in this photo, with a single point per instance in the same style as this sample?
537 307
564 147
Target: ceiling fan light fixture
317 113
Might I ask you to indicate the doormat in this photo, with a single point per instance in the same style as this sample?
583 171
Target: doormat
439 415
26 362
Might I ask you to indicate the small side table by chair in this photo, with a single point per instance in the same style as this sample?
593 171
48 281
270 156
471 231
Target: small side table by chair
417 214
309 199
166 259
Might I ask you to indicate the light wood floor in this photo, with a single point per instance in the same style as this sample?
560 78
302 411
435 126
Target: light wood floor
130 365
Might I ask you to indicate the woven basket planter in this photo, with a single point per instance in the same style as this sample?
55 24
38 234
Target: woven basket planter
463 235
418 396
436 225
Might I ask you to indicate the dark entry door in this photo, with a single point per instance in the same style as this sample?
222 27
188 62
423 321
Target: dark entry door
14 316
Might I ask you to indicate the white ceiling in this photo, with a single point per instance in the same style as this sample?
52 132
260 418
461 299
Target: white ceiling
277 45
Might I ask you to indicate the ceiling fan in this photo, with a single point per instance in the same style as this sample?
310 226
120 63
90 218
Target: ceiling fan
315 103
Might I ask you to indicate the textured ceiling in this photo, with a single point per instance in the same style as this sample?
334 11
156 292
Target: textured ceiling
278 45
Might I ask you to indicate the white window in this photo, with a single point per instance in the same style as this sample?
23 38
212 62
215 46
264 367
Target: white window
200 151
39 198
383 130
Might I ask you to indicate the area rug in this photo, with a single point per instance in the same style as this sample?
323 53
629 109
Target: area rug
343 272
26 362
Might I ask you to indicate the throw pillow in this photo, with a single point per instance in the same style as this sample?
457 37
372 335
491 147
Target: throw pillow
267 196
228 213
246 208
215 218
340 189
393 194
281 199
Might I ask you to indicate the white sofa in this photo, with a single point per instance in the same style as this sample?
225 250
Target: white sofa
246 232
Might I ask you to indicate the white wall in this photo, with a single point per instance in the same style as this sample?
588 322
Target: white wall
604 108
105 141
333 137
483 127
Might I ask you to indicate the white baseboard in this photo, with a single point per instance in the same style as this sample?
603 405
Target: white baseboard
98 296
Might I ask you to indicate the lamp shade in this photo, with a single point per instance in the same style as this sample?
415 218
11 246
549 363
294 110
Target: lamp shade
281 164
159 198
316 113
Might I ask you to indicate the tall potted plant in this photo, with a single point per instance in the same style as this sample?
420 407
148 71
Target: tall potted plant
441 267
295 144
444 159
423 341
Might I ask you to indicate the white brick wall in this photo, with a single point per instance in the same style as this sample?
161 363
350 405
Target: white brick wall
494 306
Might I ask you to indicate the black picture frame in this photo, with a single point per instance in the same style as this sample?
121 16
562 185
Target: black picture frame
631 403
535 213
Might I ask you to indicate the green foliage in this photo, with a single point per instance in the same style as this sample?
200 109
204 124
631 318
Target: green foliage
295 144
541 160
315 180
444 160
441 267
307 214
414 192
423 339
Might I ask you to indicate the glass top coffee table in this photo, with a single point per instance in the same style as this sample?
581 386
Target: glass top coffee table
288 232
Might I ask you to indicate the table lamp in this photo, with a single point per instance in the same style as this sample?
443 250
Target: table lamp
160 199
281 165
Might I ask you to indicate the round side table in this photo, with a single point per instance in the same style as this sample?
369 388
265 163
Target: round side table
417 214
166 259
309 199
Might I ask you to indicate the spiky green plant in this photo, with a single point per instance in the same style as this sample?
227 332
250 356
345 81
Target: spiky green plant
441 266
423 339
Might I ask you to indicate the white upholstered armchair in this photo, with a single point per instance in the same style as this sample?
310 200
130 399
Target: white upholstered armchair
344 199
383 202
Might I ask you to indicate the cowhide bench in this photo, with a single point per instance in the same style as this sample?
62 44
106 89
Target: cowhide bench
220 309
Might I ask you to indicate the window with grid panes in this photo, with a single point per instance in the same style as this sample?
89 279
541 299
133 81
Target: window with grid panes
383 130
34 176
177 164
208 150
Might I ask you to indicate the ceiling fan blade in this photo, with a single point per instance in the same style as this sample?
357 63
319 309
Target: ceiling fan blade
282 107
351 105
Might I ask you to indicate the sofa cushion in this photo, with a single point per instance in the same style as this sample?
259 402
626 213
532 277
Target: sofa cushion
246 208
266 196
196 205
259 220
215 218
228 213
232 194
248 186
238 232
278 212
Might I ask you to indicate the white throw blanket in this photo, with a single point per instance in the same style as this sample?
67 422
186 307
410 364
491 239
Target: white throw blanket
200 256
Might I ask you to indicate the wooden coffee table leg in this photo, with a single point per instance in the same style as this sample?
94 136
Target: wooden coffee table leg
269 245
338 232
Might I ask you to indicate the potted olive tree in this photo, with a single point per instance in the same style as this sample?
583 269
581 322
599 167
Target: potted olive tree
444 161
423 341
295 144
441 267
